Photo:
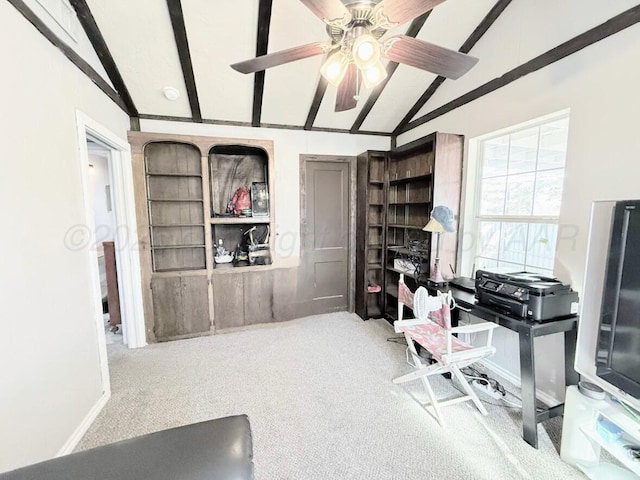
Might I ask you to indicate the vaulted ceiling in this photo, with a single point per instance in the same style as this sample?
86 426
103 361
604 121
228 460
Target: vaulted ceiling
190 46
132 50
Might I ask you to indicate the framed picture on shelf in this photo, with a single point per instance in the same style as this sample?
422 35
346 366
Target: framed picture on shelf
259 199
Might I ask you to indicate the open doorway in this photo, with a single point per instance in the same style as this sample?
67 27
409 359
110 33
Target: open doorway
104 232
113 221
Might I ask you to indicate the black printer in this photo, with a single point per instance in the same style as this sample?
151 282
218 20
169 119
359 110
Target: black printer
527 295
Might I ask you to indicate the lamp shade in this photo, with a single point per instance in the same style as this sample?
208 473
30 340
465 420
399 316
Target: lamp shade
441 220
335 67
434 226
365 51
374 74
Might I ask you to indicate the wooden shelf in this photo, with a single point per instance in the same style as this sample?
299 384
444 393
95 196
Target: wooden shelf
169 225
193 175
176 247
420 174
406 274
408 227
181 269
239 220
391 316
416 178
184 181
224 268
370 233
176 200
406 251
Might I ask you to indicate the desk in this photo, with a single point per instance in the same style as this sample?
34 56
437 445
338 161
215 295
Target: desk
528 330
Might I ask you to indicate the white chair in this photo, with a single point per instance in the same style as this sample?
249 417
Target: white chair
432 330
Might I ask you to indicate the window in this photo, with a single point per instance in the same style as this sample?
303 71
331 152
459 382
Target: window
520 176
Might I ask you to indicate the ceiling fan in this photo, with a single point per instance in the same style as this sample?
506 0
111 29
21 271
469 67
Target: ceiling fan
357 48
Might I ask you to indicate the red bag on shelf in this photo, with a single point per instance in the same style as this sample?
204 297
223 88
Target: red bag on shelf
241 200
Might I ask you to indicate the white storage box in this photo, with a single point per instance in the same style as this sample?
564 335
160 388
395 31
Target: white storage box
404 265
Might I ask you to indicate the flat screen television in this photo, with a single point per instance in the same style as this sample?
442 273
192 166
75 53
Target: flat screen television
618 345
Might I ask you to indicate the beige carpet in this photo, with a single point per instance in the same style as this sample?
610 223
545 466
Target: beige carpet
319 396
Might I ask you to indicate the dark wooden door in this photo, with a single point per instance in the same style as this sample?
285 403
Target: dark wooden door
325 235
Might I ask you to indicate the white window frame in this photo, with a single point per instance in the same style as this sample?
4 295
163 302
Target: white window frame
472 217
63 14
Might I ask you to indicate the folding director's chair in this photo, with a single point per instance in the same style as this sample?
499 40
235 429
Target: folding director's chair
432 330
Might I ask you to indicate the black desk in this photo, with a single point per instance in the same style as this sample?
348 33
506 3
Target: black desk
528 330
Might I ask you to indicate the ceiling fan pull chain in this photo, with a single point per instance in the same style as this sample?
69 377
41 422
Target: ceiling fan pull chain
356 97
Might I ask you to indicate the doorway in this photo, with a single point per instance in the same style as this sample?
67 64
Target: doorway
117 162
104 231
327 230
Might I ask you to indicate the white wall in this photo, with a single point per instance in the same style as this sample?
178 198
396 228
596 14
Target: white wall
99 179
599 85
79 42
50 379
288 146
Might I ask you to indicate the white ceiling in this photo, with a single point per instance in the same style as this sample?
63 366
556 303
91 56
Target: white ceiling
140 38
446 26
528 31
220 32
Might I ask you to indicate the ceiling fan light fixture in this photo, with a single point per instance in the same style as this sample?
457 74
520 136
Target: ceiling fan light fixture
359 45
373 75
335 68
365 51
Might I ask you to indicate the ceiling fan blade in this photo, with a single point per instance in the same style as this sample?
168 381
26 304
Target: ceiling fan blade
332 12
395 12
347 90
278 58
427 56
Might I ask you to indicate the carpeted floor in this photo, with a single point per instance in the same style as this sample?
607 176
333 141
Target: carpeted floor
319 396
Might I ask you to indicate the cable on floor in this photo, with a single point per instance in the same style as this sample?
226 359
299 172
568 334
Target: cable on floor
470 373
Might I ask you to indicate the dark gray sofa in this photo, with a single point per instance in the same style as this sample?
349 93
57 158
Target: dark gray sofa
218 449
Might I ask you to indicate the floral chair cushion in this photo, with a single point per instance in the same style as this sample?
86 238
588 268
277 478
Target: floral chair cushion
405 295
433 338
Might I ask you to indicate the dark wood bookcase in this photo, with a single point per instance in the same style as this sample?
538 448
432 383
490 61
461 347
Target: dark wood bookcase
421 175
175 205
371 214
182 186
396 192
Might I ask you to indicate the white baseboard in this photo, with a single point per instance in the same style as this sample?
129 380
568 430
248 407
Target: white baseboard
79 432
545 397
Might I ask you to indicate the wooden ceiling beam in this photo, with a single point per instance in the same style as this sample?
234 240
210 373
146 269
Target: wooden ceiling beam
182 43
475 36
321 89
90 27
412 31
610 27
68 52
262 46
278 126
